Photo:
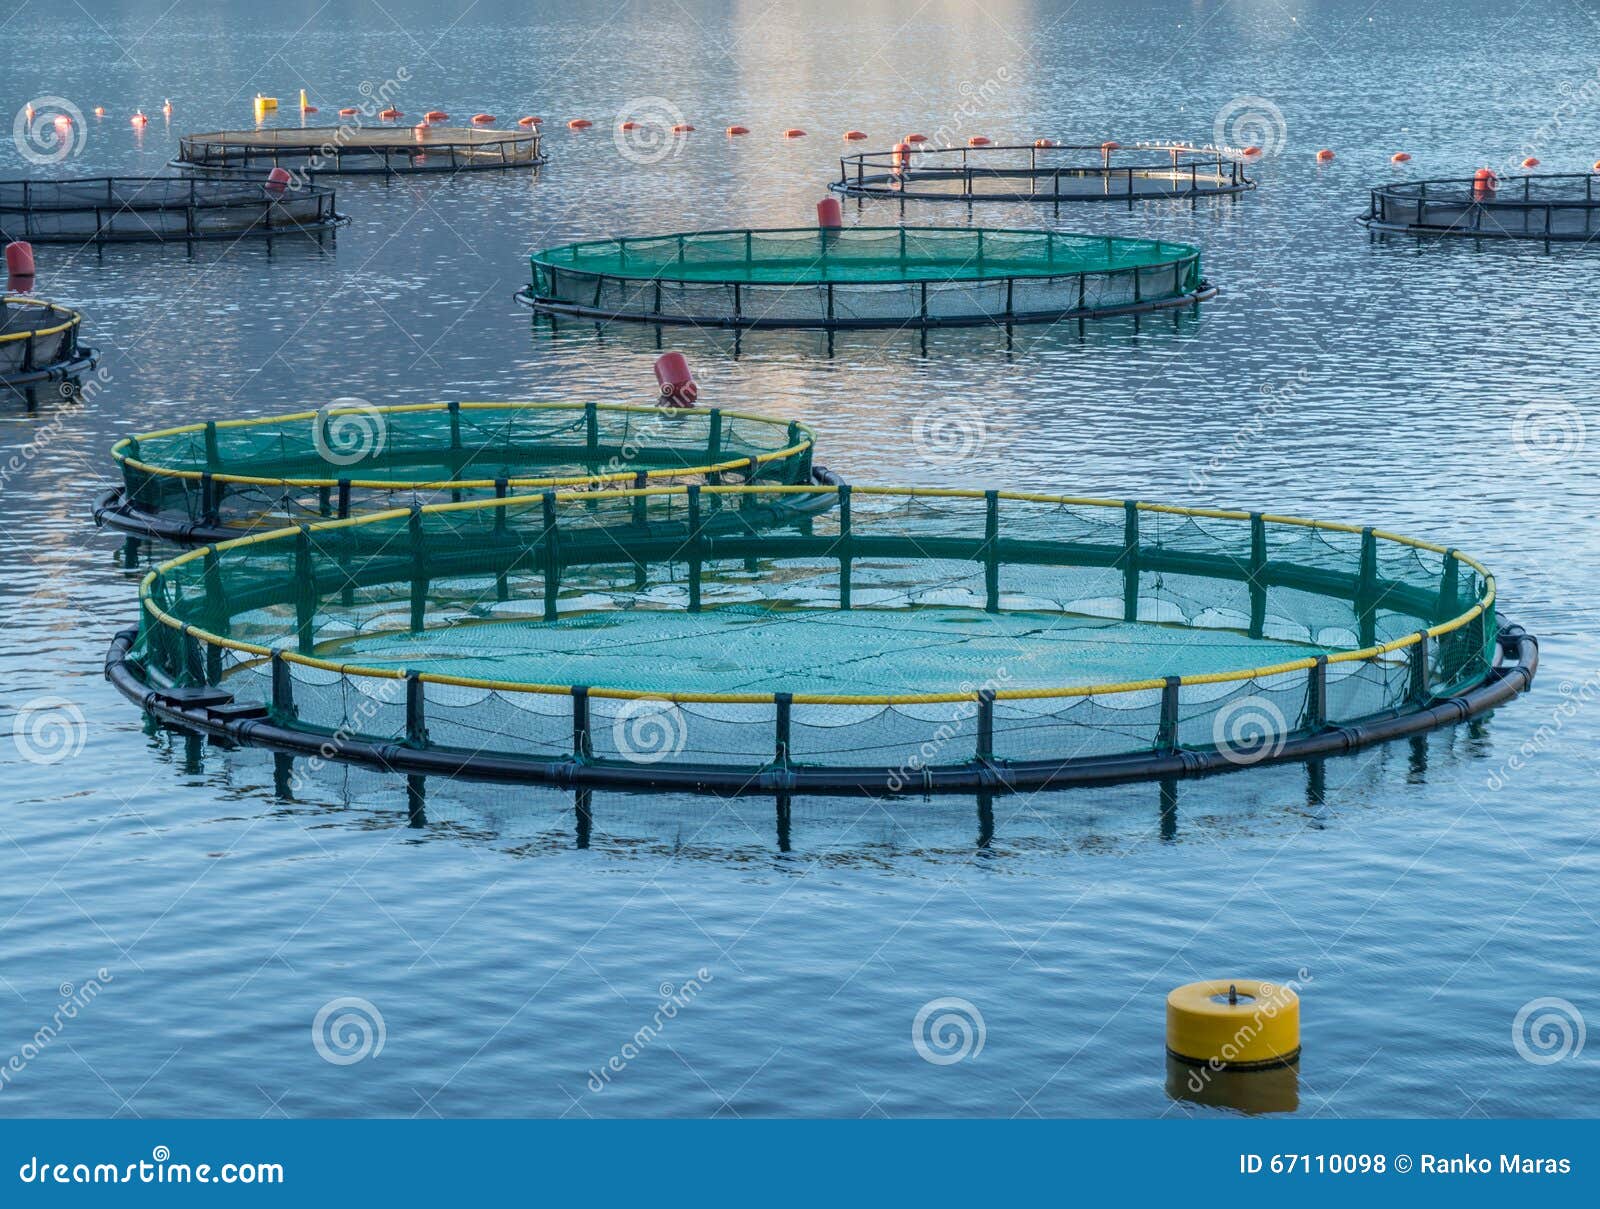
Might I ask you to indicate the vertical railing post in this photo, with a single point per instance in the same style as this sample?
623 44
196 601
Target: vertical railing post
582 735
695 552
1167 726
991 551
416 716
1258 574
1130 560
846 540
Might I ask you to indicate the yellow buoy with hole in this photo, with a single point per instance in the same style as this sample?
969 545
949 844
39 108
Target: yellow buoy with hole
1234 1024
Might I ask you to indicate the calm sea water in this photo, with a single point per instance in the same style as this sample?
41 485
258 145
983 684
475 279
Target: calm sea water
511 944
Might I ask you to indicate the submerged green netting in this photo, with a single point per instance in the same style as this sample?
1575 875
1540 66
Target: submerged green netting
285 469
852 637
861 275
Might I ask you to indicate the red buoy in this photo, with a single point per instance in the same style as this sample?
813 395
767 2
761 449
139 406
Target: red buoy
738 130
978 140
829 213
530 121
794 132
1110 145
1251 151
1484 183
437 115
627 125
902 156
916 138
483 119
390 114
349 111
682 128
1045 143
19 259
278 180
1400 157
579 124
1531 162
1324 156
677 385
851 136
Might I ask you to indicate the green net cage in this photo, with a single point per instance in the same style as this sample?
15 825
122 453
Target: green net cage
1553 207
220 479
863 277
883 640
1042 172
124 209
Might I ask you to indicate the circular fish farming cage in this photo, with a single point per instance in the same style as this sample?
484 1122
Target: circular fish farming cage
864 277
1028 173
1552 207
898 640
221 479
362 151
39 343
124 209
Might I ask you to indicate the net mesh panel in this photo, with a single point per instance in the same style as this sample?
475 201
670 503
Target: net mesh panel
27 343
1559 206
442 445
1040 173
863 274
1177 591
154 208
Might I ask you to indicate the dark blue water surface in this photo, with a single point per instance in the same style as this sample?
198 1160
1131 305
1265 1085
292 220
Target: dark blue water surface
1427 891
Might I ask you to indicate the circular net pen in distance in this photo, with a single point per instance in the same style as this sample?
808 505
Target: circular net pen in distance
362 151
902 640
864 277
1549 207
222 479
39 343
126 209
1029 173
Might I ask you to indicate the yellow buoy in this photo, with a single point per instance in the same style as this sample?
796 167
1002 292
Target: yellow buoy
1234 1024
264 105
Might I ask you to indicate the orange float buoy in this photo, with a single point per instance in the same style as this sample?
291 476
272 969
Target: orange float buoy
978 140
1484 183
390 115
794 132
851 136
674 381
349 111
1251 150
1595 167
916 138
738 130
829 213
1110 145
1400 157
579 124
1045 143
436 115
99 111
483 119
1324 156
682 128
530 121
627 125
278 180
138 118
902 157
19 259
1530 162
